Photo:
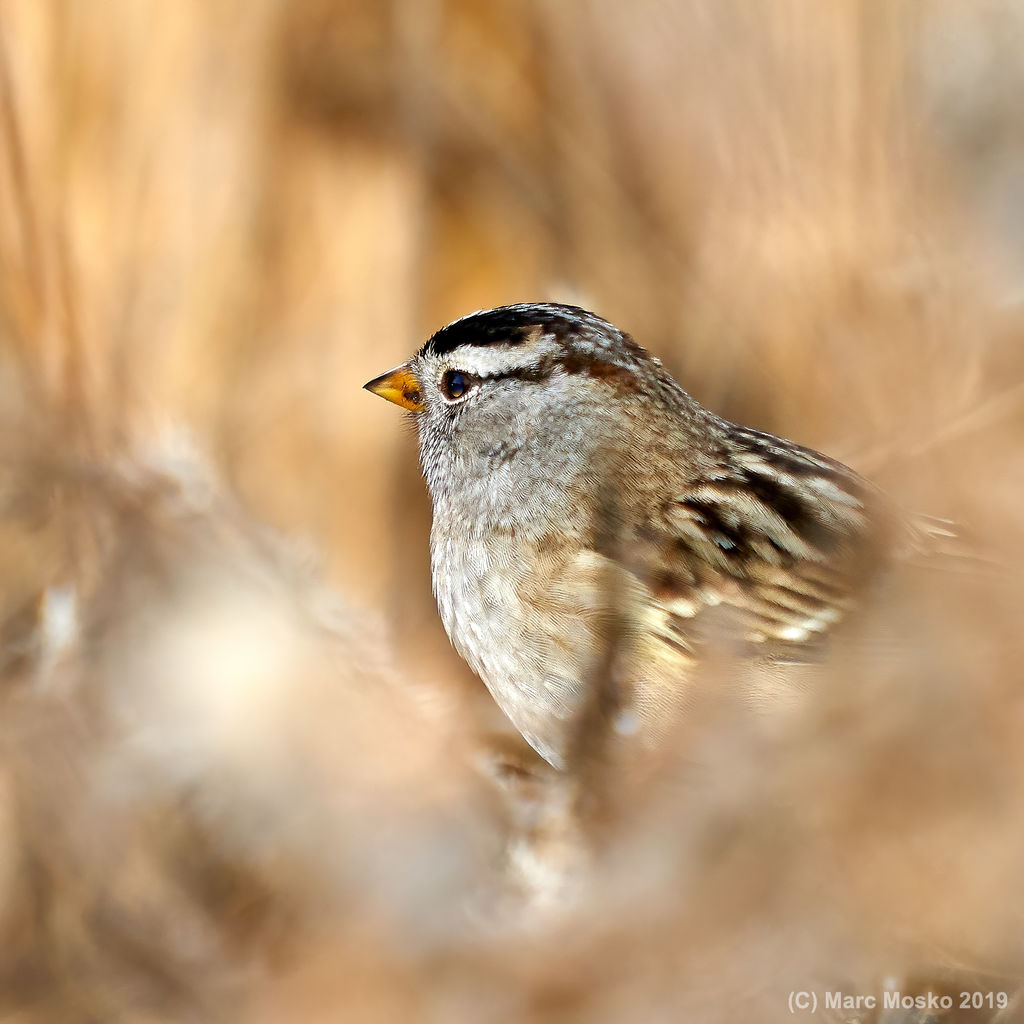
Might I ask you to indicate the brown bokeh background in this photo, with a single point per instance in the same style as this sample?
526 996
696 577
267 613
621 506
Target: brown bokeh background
218 220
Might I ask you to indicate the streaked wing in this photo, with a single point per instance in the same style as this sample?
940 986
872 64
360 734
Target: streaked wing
764 554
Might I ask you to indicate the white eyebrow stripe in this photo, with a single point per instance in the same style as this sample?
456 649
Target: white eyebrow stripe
492 360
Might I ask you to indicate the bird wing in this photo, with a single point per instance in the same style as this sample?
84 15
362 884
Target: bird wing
764 553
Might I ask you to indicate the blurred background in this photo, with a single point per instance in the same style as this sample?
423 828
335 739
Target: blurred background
240 767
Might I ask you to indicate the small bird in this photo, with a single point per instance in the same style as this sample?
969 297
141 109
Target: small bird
595 526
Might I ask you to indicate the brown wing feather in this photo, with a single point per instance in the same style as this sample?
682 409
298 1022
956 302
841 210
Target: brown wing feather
767 551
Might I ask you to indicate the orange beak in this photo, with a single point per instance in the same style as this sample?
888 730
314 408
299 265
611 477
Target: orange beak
401 386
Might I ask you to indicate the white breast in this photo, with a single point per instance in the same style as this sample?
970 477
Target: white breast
481 590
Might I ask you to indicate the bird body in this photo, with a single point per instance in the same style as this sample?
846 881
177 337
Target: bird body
593 521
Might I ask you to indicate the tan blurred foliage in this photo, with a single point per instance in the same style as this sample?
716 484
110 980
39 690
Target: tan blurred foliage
225 793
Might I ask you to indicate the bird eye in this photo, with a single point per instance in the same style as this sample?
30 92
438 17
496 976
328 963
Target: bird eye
455 384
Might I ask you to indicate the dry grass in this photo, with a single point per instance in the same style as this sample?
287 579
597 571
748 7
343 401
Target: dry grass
226 793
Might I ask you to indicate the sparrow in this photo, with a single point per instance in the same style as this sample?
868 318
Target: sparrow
598 534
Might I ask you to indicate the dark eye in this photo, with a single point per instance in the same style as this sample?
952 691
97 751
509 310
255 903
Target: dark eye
455 384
